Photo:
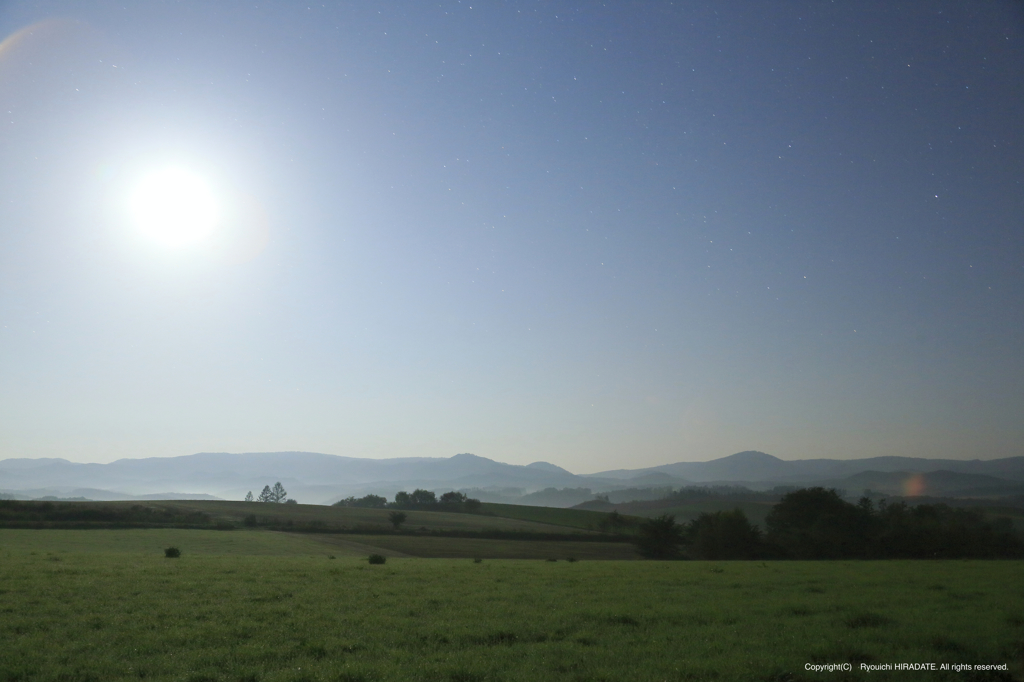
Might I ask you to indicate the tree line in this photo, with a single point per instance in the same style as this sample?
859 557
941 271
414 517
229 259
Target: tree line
418 500
277 494
815 523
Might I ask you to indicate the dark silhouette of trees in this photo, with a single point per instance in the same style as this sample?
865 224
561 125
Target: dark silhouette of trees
367 502
942 532
452 499
275 494
426 500
815 523
659 538
724 535
423 498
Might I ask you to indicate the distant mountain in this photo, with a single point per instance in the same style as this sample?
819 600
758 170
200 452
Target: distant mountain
760 468
321 478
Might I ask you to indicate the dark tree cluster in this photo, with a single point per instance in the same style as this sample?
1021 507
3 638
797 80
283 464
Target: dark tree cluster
16 513
367 502
422 500
815 523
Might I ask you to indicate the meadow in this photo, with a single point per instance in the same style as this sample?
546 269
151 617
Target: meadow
261 605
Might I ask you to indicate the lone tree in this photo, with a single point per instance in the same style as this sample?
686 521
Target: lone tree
659 538
279 492
396 518
248 496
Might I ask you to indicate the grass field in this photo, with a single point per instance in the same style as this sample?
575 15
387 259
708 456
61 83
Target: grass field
257 605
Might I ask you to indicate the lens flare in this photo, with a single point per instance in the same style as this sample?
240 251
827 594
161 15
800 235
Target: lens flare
914 486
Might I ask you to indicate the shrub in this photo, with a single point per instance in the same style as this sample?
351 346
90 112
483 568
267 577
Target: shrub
396 519
172 552
377 559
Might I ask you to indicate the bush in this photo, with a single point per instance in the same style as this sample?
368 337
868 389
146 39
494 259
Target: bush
172 552
377 559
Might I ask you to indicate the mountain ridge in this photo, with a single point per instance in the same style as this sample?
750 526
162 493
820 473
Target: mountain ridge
323 478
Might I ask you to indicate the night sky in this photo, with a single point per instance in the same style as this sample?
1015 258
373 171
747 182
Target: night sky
604 236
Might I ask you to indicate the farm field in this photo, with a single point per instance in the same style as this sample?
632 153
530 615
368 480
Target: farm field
469 548
243 612
337 517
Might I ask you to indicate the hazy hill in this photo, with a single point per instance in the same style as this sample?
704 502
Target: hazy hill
322 478
761 468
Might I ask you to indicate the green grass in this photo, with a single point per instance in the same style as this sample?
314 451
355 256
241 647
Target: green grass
125 612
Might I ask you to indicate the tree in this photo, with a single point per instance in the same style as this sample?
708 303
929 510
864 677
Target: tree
815 523
291 501
724 535
402 499
659 538
452 499
267 495
396 518
248 496
423 497
279 492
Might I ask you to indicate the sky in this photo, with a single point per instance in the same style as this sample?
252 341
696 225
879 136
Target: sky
602 235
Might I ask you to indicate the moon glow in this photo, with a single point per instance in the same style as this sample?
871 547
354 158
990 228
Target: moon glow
174 207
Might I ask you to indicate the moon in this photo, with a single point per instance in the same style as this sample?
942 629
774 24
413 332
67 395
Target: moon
174 207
